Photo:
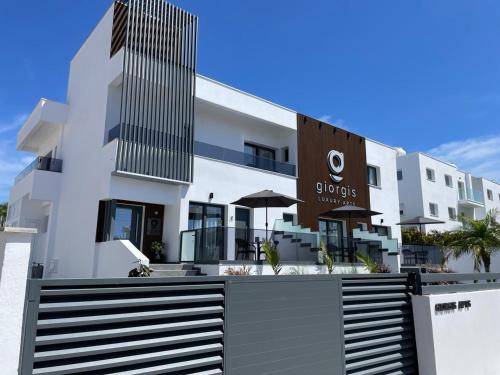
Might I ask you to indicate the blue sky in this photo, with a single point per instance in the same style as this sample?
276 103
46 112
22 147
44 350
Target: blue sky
423 75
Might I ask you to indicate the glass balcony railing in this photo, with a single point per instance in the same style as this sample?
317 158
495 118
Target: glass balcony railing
471 195
215 152
212 245
41 163
242 158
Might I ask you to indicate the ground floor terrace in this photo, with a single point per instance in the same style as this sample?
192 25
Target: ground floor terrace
210 234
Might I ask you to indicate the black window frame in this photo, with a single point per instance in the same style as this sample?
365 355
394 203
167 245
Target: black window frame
377 175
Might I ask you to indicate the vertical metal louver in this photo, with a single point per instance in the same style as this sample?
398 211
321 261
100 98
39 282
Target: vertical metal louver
378 325
121 326
158 88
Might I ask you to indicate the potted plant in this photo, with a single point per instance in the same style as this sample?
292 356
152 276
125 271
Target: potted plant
157 250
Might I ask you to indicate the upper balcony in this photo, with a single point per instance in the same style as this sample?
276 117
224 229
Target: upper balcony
40 180
470 198
44 123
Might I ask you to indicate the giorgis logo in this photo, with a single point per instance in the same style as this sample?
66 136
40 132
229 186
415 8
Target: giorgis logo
335 161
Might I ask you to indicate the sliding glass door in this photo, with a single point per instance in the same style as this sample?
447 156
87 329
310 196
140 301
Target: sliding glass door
206 221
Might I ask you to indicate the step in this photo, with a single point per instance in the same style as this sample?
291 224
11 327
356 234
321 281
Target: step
297 240
171 266
306 244
179 273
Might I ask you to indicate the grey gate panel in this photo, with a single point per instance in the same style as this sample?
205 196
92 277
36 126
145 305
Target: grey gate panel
124 326
283 325
158 88
378 325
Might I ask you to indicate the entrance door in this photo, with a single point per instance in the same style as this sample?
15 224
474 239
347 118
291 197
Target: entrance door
128 224
331 233
207 220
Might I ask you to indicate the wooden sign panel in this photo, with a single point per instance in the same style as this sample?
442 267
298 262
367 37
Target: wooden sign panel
332 170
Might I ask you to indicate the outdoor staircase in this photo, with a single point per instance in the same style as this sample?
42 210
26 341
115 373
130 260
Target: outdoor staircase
174 270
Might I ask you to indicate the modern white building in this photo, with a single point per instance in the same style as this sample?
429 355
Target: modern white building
437 189
146 151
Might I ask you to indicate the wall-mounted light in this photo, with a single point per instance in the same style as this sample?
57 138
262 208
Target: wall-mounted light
334 130
381 221
210 196
320 125
305 119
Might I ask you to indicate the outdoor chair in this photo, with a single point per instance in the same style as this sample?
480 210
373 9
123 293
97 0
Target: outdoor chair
245 248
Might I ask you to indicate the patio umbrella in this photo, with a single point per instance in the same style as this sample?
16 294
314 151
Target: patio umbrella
349 212
420 220
266 198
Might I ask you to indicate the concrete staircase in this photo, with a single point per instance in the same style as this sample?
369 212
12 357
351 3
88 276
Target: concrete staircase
174 270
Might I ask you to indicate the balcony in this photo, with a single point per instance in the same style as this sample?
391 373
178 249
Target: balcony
470 198
40 180
42 126
241 158
41 164
214 152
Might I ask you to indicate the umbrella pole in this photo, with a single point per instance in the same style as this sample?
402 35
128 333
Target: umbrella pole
348 238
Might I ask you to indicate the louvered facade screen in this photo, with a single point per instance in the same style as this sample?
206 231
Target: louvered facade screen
158 87
136 326
378 325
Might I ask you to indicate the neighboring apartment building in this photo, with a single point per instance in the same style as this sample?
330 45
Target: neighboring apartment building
146 150
437 189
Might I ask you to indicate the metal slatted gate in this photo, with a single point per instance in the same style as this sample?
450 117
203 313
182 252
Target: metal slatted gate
124 326
378 325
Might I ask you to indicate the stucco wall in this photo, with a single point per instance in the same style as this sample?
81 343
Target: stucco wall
458 342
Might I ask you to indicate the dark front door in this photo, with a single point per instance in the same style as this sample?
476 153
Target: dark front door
207 220
128 224
331 233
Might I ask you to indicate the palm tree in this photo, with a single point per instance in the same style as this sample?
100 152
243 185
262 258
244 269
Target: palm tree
479 238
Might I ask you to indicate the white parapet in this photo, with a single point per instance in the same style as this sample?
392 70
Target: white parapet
117 258
458 333
15 252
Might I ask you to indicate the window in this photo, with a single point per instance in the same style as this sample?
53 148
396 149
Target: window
373 176
286 155
431 175
400 175
452 213
490 194
288 217
401 209
448 180
433 208
259 157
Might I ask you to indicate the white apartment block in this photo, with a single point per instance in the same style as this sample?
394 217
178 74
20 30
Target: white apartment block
144 150
437 189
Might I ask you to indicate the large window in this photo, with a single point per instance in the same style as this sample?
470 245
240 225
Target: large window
489 193
452 213
433 208
431 175
207 222
259 156
448 180
373 176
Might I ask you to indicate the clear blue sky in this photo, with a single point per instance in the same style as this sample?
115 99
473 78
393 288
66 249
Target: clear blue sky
424 75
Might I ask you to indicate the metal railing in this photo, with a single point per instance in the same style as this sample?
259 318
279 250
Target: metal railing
438 283
41 163
212 245
242 158
210 151
415 254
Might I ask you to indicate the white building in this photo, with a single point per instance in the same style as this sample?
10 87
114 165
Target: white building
146 150
437 189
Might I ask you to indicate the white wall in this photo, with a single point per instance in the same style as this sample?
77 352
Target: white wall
409 188
458 342
117 258
495 203
265 269
15 245
87 164
385 198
